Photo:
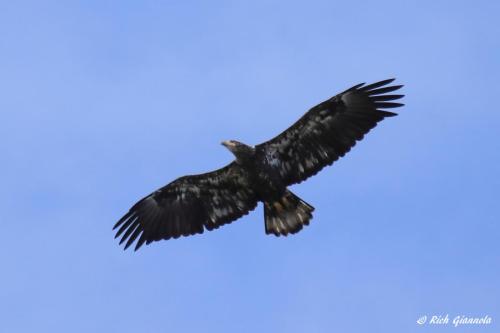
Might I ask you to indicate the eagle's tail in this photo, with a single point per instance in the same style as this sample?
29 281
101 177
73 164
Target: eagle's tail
287 215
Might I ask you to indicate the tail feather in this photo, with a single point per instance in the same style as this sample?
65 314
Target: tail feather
287 215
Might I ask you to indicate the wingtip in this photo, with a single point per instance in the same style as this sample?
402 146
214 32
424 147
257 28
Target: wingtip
123 219
373 86
355 87
387 114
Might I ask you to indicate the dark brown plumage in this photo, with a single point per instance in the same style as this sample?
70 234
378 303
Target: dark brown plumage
191 204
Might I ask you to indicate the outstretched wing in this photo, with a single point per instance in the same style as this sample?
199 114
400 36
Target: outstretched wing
187 206
329 130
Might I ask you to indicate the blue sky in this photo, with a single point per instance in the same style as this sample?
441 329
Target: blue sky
104 101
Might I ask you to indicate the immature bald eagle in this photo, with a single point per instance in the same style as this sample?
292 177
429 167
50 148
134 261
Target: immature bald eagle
190 204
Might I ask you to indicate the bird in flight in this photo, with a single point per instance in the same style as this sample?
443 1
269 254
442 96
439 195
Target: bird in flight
262 173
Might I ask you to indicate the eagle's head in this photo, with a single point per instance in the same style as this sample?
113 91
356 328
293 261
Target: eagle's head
240 150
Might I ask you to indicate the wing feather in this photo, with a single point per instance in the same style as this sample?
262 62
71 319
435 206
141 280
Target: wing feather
188 206
329 130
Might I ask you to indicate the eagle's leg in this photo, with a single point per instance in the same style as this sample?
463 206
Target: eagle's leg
287 215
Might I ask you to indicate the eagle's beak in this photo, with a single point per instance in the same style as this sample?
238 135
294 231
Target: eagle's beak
226 144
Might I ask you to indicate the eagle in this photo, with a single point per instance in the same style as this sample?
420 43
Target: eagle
192 204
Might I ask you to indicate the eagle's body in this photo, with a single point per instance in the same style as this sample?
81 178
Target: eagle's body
262 173
264 178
